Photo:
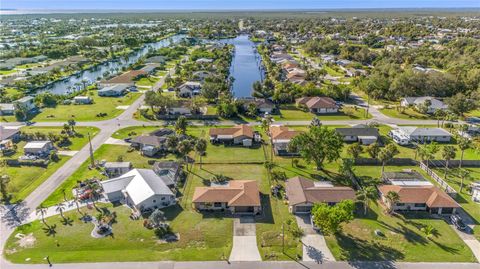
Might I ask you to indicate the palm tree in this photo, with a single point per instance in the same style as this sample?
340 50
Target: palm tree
367 195
392 198
157 218
448 153
429 231
4 180
60 207
200 148
183 148
42 211
386 154
72 124
428 151
181 125
464 174
463 144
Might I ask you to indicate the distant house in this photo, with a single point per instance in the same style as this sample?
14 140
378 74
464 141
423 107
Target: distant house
262 105
38 148
140 189
236 196
417 102
114 90
475 191
318 105
303 193
155 60
152 143
420 198
7 109
115 169
82 100
126 78
238 135
365 136
27 103
200 75
406 134
180 107
8 133
281 137
204 61
169 171
189 89
405 178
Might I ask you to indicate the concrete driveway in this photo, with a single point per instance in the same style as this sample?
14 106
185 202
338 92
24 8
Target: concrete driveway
244 240
467 235
315 247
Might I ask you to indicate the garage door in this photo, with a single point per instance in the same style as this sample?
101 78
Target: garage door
244 209
303 209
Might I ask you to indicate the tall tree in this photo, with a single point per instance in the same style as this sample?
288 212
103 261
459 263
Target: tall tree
329 218
319 144
463 144
200 148
373 150
449 152
386 154
4 180
366 195
354 150
427 151
181 125
392 198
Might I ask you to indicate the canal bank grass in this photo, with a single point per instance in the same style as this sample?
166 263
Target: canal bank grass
107 105
292 113
401 239
25 179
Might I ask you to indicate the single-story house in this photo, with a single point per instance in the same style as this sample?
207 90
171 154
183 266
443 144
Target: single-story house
139 188
240 134
318 105
9 133
152 143
204 61
127 77
475 191
180 107
189 89
155 60
114 90
303 193
7 109
169 171
200 75
281 137
406 134
38 147
420 198
115 169
263 105
82 100
417 102
26 103
365 136
237 196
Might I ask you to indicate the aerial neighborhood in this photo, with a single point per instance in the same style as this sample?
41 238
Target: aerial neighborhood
292 139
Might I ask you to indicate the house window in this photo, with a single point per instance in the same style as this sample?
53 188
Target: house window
217 204
154 201
421 205
399 204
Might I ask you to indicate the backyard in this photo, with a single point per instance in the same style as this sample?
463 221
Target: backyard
292 113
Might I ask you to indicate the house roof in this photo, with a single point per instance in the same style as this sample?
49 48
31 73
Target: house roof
6 133
150 140
417 131
236 193
117 165
403 176
115 88
162 132
36 144
25 99
278 132
430 195
358 131
7 106
317 102
127 77
239 130
301 190
167 170
260 103
435 103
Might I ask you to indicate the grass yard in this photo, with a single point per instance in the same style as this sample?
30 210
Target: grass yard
106 105
292 113
402 239
146 81
25 179
408 114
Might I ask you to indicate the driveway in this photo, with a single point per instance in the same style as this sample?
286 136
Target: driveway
314 246
468 237
244 240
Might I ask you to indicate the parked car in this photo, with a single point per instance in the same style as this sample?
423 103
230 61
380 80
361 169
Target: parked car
472 120
457 221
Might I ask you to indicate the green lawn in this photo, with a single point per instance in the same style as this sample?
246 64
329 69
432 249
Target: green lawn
292 113
147 81
402 239
25 179
106 105
7 72
407 113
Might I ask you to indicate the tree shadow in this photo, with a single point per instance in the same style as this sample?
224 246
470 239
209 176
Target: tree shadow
172 212
357 249
266 215
50 230
16 215
67 221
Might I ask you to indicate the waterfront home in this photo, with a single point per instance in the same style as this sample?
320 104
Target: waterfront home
262 105
27 103
82 100
318 105
140 189
303 193
236 196
114 90
419 198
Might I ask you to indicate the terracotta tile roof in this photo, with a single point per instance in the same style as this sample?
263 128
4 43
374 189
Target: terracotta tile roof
430 195
127 77
317 102
301 190
239 130
282 132
236 193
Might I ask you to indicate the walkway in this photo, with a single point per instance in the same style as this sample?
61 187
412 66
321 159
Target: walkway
468 237
314 245
244 240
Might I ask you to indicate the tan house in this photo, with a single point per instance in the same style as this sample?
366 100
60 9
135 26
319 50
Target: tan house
303 193
237 196
420 198
281 137
318 105
238 135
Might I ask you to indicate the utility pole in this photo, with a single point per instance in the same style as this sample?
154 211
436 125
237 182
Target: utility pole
283 237
92 161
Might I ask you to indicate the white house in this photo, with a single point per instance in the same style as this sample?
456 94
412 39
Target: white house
140 189
114 90
26 103
7 109
418 102
82 100
38 147
476 191
406 134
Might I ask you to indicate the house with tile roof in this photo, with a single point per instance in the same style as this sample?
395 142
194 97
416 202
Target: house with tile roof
303 193
236 196
280 137
420 198
318 105
238 135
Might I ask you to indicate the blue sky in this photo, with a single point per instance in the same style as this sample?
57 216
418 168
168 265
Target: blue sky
231 4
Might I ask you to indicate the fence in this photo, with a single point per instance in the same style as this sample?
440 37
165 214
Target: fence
455 163
394 161
449 190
